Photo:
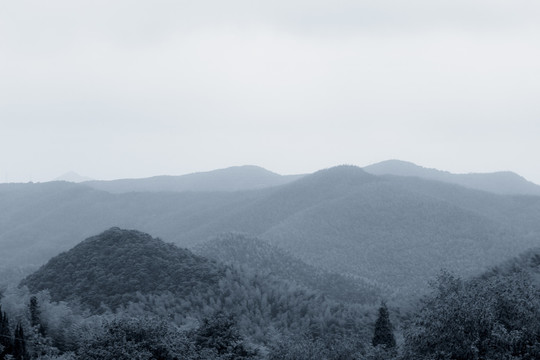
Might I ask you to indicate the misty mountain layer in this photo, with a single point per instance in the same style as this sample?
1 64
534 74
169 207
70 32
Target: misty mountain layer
129 271
503 182
230 179
394 231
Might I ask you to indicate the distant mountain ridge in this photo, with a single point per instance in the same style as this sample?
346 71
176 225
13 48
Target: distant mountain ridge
250 177
236 178
503 182
395 231
72 176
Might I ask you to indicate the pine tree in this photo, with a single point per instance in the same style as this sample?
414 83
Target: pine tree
383 334
35 315
5 334
34 311
19 344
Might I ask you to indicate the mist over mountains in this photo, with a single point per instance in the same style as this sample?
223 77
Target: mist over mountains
72 176
252 253
250 177
242 263
127 271
230 179
389 230
504 182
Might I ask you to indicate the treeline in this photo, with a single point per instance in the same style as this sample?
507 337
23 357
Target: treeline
123 294
485 318
51 330
253 253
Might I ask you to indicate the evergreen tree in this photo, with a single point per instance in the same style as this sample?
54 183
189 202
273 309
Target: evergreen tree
35 315
219 334
5 335
19 344
383 334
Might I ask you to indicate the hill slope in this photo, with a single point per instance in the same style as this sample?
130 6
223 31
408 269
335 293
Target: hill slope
131 272
246 251
398 238
112 267
395 231
527 262
504 182
230 179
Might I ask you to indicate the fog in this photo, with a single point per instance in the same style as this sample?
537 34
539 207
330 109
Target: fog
133 89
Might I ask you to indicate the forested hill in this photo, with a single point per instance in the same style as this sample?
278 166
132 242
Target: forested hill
246 251
112 267
395 231
130 272
235 178
527 262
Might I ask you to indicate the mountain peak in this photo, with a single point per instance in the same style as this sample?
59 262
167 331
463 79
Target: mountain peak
72 176
236 178
341 174
401 168
502 182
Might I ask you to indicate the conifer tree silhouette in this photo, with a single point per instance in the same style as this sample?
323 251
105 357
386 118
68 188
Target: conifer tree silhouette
383 334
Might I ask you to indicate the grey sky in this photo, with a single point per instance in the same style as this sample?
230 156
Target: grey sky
114 89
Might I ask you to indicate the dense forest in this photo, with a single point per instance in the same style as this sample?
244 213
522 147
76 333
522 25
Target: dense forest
125 295
392 232
331 265
249 252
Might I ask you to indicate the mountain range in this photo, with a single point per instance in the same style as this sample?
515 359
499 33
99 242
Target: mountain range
503 182
392 232
249 177
235 178
130 272
72 176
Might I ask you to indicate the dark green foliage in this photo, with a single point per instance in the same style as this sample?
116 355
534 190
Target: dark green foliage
383 333
33 307
392 231
494 318
5 335
144 338
528 262
246 251
150 338
219 334
305 347
132 273
111 268
35 315
19 344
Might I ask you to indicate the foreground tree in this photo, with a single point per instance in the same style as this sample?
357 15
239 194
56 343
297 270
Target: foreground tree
19 344
383 334
495 318
5 335
35 315
219 335
128 339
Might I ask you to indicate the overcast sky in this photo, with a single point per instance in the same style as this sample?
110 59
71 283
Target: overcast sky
116 89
